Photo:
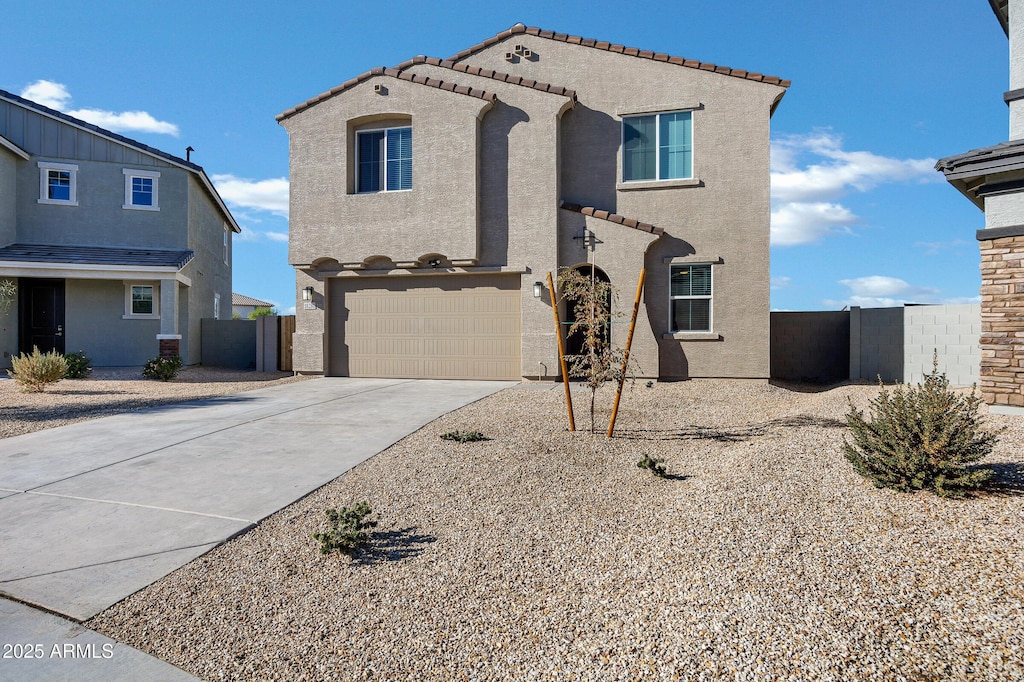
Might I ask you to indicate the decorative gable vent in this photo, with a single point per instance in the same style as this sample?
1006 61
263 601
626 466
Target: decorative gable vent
510 56
380 89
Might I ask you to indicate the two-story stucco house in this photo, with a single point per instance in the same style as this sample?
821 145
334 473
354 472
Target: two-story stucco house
118 249
429 201
993 178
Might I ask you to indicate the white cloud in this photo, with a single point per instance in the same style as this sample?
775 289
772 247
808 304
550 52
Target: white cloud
810 172
277 236
933 248
264 195
125 121
803 223
48 93
879 291
782 282
56 96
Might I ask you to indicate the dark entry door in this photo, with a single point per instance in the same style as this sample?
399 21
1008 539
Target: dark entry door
41 315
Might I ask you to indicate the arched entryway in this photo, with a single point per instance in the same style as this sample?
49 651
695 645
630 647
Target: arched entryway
574 342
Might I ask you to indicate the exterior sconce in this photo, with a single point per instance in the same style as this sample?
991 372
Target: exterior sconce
307 294
538 289
434 262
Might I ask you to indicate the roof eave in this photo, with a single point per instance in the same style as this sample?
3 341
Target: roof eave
1002 12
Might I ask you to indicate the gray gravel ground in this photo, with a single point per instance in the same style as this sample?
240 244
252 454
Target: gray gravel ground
541 554
113 391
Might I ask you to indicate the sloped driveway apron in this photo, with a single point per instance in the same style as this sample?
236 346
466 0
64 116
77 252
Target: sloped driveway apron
92 512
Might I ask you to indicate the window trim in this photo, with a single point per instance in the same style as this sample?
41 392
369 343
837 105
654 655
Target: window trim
384 159
128 300
44 183
688 181
710 298
216 306
129 175
227 242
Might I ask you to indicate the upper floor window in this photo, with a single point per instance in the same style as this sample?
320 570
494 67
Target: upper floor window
690 294
227 243
657 146
58 183
384 160
141 189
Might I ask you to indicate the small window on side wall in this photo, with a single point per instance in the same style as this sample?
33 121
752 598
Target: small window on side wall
383 160
142 301
691 296
58 183
657 146
141 190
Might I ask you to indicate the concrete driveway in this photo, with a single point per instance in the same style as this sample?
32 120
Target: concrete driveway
92 512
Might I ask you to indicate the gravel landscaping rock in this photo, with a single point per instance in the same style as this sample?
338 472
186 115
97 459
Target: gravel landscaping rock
541 554
113 391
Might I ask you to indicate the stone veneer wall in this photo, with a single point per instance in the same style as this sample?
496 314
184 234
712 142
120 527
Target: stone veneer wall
1002 321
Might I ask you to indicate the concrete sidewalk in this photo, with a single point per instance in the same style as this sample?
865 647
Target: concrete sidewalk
92 512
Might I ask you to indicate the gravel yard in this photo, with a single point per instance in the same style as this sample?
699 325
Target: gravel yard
541 554
112 391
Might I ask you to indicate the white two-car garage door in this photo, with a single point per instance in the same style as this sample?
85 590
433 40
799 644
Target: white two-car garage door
425 327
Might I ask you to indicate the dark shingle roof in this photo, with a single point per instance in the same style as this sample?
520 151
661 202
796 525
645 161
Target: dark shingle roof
610 47
487 73
394 73
96 255
611 217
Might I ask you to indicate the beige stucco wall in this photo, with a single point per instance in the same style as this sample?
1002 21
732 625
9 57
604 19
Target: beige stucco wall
724 218
519 192
438 215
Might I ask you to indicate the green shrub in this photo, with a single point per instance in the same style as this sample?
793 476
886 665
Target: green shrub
920 437
263 312
463 436
347 531
163 369
655 466
34 372
78 365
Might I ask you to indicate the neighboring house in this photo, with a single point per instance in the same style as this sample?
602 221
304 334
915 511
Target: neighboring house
243 305
118 249
429 202
993 178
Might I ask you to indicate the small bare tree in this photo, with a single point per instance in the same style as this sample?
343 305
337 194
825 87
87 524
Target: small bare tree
8 291
598 361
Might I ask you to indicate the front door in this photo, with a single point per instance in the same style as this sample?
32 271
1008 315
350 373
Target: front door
41 315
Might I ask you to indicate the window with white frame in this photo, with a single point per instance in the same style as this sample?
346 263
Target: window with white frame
657 146
227 242
58 183
384 160
141 301
141 189
690 293
216 306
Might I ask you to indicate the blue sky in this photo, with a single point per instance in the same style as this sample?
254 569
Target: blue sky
880 90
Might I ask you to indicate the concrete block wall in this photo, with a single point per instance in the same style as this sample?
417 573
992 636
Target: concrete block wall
229 343
952 330
811 347
876 344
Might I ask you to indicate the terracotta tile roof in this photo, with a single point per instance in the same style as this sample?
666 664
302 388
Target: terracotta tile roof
611 47
611 217
96 255
487 73
394 73
239 299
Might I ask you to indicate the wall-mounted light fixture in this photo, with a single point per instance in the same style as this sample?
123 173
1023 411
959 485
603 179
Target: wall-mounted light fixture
307 294
538 289
434 262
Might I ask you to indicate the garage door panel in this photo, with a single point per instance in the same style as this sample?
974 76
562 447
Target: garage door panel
458 327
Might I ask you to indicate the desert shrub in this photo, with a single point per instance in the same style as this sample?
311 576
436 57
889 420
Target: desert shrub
78 365
263 312
347 531
655 466
36 371
920 437
8 292
463 436
163 369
